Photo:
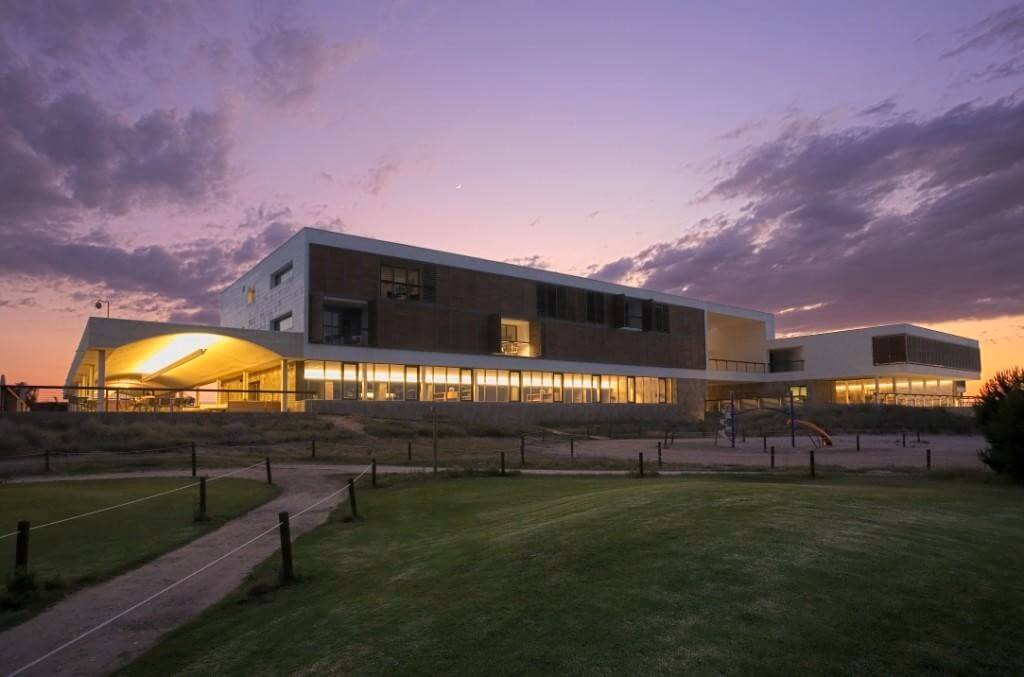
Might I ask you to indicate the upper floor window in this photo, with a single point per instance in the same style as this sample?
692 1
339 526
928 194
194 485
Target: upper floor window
634 314
659 320
250 295
344 325
281 276
283 323
595 307
401 283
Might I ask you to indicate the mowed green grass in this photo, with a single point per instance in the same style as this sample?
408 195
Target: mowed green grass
67 556
540 576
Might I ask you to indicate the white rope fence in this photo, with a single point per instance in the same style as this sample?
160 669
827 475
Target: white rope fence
133 501
178 582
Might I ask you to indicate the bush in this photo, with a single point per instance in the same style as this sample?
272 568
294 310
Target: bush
1000 415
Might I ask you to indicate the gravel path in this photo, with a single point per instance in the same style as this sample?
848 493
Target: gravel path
118 643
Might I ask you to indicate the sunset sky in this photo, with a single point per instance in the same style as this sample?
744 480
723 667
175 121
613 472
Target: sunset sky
841 164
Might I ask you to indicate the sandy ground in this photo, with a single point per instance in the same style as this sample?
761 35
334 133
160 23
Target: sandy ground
118 643
876 451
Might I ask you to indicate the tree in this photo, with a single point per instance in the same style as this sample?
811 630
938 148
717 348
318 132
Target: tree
1000 415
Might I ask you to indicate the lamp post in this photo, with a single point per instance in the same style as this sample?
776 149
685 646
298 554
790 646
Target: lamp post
99 305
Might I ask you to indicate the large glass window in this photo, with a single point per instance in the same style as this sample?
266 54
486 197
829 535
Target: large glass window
283 323
579 388
400 283
494 385
540 386
440 384
595 307
343 325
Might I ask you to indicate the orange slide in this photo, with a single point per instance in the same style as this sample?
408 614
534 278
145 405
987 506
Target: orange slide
826 439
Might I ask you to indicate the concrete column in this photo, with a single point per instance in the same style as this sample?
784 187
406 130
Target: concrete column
284 385
101 380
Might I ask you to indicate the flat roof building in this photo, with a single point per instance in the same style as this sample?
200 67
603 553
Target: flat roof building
331 322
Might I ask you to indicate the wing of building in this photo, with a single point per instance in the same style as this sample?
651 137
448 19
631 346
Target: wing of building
337 323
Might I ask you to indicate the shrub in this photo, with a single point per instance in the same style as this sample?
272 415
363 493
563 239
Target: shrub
1000 415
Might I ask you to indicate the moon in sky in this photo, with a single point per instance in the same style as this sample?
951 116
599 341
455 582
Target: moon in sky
458 186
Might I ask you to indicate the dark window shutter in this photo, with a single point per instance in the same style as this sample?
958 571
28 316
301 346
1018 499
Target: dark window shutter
429 282
648 315
536 339
494 333
373 317
316 321
619 311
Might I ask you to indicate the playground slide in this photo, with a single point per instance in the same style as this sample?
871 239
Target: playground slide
826 439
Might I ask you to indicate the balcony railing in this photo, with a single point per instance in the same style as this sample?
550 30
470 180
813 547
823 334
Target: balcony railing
515 348
717 364
787 365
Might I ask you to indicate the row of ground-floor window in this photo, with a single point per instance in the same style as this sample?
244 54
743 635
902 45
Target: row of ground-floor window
886 390
327 380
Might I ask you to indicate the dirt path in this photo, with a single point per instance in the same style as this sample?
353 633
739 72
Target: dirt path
118 643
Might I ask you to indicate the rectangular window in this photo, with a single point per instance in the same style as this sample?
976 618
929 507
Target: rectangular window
344 325
282 275
401 283
539 386
514 379
350 381
283 323
254 390
493 385
595 307
660 320
439 384
634 314
412 383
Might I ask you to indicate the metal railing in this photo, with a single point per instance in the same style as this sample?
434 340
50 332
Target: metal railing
718 364
33 398
786 365
510 347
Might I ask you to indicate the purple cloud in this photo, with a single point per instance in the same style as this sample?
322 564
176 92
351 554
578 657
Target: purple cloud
916 220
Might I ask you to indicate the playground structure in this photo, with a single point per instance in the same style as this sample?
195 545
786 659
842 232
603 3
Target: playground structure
824 439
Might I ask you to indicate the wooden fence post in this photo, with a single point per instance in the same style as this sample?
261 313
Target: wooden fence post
193 459
773 457
904 439
764 443
433 419
287 571
572 447
352 499
641 460
928 459
21 549
47 461
202 516
270 477
812 463
918 434
373 473
522 450
858 441
312 448
659 454
408 451
503 464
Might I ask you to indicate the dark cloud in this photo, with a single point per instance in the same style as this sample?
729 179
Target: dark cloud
881 108
1001 33
910 220
290 61
64 154
532 261
183 279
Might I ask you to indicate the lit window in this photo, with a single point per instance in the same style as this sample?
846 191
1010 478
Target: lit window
250 295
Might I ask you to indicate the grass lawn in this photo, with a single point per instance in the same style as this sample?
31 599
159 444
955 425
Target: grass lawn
67 556
512 576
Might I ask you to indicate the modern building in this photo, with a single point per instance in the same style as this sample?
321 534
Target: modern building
337 323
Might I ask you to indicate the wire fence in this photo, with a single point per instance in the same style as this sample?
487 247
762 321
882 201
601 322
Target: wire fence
96 628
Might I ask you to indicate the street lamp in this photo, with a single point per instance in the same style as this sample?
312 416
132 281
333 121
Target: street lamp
99 305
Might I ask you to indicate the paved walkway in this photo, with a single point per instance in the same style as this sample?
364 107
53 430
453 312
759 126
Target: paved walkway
120 642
